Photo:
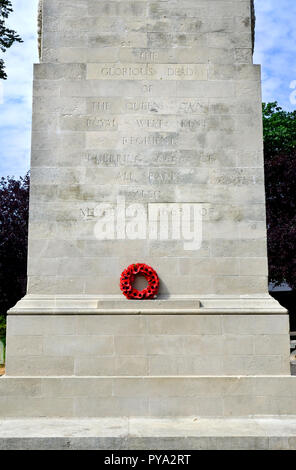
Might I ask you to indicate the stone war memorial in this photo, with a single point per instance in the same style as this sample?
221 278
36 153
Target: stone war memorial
147 148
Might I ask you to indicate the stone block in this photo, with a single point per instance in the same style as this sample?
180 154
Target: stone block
78 346
260 325
187 406
111 406
255 365
167 325
39 365
111 325
61 387
22 346
19 387
34 407
58 7
238 344
185 365
130 345
271 344
122 8
32 325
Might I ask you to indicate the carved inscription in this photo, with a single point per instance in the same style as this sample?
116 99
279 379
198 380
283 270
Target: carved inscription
143 106
139 194
158 123
151 158
168 140
126 177
147 71
152 106
163 177
114 159
101 106
208 212
99 123
122 71
149 123
149 56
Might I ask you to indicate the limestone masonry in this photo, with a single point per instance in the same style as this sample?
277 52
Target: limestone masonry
147 112
155 102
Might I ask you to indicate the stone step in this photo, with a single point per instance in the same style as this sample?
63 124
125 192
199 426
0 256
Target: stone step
152 397
148 434
173 304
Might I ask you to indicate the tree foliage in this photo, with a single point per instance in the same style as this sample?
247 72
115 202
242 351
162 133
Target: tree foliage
279 130
280 173
7 36
14 209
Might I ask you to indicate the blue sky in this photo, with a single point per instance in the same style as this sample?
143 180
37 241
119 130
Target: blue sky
275 50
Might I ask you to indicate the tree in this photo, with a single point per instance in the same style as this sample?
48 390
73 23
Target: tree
14 210
280 173
7 36
279 130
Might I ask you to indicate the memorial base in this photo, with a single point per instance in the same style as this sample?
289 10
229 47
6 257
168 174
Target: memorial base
64 336
162 397
148 434
217 358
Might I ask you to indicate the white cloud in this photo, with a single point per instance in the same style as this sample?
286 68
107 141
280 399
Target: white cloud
15 111
275 49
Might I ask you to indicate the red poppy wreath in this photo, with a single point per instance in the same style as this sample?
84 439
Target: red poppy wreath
128 277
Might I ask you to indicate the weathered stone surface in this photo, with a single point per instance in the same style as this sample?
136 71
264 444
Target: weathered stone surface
148 345
172 396
151 103
154 102
147 434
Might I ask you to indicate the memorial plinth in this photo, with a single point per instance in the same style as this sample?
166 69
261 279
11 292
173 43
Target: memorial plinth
147 147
